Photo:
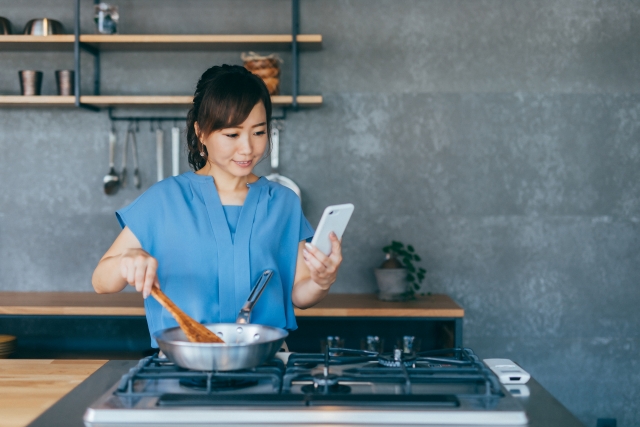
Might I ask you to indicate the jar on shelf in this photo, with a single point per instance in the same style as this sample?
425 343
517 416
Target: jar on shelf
106 18
265 67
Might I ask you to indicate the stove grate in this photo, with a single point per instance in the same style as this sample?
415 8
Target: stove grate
449 366
155 368
459 365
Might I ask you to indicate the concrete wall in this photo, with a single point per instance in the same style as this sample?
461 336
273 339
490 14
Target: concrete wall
500 138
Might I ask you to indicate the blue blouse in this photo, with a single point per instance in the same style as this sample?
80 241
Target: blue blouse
201 267
232 214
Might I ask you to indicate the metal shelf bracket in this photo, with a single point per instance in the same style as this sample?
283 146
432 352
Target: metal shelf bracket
76 60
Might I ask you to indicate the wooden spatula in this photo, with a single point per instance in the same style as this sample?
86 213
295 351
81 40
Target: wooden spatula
194 331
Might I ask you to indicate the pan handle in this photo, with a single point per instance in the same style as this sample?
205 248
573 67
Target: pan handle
245 311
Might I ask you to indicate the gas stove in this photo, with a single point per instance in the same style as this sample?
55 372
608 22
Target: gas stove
341 386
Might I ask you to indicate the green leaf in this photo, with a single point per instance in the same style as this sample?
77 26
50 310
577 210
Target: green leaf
410 278
420 276
386 249
416 287
422 270
411 268
396 244
417 258
410 248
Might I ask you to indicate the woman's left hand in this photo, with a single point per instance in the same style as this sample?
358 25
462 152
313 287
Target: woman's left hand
323 268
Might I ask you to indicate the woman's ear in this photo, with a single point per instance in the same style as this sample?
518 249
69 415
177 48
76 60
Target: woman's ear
197 129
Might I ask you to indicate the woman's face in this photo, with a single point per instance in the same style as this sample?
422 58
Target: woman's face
236 150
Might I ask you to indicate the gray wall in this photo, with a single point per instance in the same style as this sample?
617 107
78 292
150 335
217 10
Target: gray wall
499 137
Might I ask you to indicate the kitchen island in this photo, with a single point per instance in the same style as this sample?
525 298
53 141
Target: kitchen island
28 388
58 325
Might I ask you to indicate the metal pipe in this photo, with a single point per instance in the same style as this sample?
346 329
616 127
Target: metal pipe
76 53
76 60
295 29
96 73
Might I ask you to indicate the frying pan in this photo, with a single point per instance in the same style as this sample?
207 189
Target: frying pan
275 161
246 345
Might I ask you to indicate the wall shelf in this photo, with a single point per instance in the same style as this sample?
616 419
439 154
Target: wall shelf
201 42
166 42
14 42
135 100
94 44
36 101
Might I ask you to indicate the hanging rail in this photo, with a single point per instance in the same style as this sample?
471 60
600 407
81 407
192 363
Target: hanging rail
144 118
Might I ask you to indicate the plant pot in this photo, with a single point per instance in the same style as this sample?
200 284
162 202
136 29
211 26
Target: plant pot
392 284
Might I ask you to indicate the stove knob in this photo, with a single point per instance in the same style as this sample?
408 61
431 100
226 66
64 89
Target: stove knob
397 354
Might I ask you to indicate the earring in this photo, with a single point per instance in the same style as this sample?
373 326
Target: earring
202 154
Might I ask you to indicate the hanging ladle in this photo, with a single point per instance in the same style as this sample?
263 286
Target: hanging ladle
111 181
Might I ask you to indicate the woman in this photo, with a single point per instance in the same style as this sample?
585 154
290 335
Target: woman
205 237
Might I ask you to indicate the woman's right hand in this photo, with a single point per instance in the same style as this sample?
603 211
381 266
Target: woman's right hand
139 269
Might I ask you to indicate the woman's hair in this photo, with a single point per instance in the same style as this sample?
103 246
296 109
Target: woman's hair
224 97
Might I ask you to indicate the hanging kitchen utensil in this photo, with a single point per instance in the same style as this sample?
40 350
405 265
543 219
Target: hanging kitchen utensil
111 181
160 153
246 345
175 151
275 162
134 147
194 331
123 173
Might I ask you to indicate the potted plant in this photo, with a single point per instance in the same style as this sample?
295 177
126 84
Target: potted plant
398 278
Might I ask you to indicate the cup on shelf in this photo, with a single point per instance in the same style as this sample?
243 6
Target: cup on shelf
372 343
65 82
30 82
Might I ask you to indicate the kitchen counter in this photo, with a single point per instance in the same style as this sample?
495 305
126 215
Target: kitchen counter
29 387
131 304
86 325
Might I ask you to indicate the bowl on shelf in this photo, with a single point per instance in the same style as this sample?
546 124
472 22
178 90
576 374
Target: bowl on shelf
7 345
43 27
5 26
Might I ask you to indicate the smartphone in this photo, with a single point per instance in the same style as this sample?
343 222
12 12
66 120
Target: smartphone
335 218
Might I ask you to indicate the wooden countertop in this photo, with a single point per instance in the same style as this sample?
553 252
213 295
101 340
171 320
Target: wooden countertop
131 304
29 387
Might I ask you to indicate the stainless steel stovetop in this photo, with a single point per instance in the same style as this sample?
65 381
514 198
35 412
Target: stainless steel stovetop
340 387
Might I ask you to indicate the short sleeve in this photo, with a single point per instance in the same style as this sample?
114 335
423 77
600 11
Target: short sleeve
306 231
138 216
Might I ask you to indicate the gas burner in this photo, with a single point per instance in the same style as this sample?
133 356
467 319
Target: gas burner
222 384
334 389
394 360
321 380
326 384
